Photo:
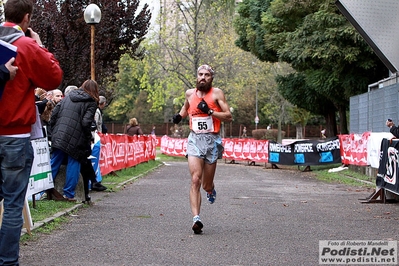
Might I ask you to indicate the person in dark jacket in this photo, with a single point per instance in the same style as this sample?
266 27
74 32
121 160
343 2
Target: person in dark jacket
71 133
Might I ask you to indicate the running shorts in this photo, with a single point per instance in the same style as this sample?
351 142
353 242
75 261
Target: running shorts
207 146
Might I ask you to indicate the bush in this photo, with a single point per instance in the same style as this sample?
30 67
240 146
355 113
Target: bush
269 134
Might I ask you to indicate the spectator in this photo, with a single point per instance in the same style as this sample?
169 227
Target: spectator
323 134
244 132
133 128
69 89
37 67
93 164
153 130
70 122
392 128
98 117
50 99
86 169
40 95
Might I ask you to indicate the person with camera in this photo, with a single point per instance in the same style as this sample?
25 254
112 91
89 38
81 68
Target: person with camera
392 128
37 67
206 108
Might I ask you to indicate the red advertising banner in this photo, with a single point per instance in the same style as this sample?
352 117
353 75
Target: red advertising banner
158 141
173 146
122 151
354 148
234 149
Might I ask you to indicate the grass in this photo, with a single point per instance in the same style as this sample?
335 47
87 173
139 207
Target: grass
167 158
113 181
46 208
347 177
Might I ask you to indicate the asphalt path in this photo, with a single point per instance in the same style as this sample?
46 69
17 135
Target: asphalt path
260 217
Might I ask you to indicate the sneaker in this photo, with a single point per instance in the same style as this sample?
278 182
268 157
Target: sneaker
65 198
98 187
197 225
211 196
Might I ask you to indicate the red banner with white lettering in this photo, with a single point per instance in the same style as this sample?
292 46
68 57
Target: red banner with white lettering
354 148
122 151
234 149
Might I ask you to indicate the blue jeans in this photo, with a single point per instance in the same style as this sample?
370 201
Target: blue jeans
95 151
72 171
16 157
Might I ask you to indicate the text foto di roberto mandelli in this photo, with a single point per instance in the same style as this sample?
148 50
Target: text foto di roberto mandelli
363 251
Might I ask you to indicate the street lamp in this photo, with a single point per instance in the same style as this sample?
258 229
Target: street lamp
256 106
231 122
92 17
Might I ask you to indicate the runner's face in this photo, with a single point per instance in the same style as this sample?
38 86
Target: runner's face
204 80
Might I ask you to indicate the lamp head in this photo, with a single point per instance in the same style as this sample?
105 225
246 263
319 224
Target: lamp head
92 14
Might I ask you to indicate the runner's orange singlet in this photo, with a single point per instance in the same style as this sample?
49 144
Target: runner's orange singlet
200 122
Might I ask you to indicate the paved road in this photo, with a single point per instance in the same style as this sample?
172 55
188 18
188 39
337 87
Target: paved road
261 217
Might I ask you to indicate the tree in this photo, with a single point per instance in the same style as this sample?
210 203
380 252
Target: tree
198 32
167 69
331 60
130 96
64 32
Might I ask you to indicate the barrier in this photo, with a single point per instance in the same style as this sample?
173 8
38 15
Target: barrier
122 151
362 149
305 152
388 171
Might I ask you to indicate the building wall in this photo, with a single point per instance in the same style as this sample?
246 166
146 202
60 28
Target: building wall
369 111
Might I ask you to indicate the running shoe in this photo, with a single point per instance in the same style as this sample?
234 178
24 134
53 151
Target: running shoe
211 196
197 225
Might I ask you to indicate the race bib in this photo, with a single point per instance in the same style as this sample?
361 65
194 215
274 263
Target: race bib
202 124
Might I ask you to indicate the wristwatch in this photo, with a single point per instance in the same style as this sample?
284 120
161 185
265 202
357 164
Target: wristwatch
210 112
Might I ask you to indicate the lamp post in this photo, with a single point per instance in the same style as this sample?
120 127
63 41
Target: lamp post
231 122
256 107
92 16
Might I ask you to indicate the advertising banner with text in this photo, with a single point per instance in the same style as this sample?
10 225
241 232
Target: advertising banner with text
307 152
121 151
388 172
40 176
234 149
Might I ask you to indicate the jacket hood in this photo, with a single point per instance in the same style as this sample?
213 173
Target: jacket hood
80 96
9 34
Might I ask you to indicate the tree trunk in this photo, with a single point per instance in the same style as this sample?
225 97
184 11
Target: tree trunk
331 124
343 123
299 131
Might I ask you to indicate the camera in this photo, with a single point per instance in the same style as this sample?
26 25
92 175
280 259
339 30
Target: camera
28 34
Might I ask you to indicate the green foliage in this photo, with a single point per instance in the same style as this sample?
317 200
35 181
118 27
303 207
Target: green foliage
131 97
332 61
205 34
64 32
